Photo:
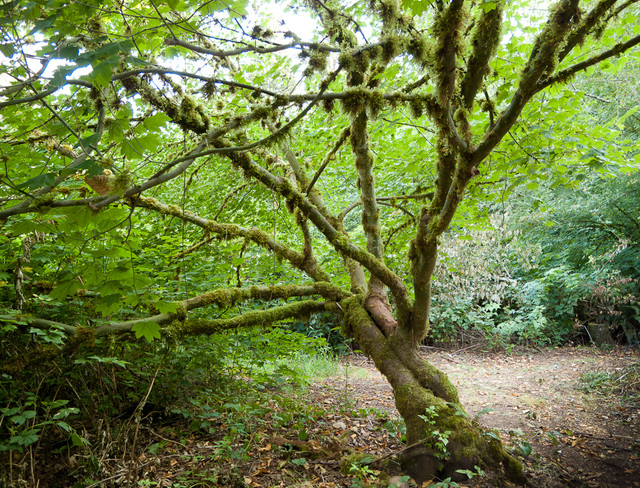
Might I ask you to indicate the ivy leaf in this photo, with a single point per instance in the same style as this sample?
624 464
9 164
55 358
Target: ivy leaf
148 330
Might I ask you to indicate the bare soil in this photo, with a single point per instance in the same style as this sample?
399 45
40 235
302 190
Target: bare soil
579 438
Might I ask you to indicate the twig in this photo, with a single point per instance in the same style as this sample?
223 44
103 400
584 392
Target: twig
406 448
139 413
166 439
433 347
465 348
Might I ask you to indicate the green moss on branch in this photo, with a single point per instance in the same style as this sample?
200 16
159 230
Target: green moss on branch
251 319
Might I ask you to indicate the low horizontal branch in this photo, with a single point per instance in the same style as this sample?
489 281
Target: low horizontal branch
252 319
228 296
220 297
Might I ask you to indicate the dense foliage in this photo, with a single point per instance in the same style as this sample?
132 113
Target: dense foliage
192 168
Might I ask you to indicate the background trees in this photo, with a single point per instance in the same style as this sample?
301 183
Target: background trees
164 160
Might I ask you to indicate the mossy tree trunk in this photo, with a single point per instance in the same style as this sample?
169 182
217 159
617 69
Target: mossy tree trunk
429 404
450 60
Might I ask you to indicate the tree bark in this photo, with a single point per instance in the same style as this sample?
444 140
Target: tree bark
429 405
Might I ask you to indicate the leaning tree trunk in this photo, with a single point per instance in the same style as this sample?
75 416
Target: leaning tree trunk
429 404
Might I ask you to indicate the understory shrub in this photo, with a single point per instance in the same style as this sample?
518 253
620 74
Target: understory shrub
322 325
89 401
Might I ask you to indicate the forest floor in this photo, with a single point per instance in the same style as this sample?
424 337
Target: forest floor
580 435
571 414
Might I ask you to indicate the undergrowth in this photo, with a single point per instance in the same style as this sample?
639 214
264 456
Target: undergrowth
159 414
624 383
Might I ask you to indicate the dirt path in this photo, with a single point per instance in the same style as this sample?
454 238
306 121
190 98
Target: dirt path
578 438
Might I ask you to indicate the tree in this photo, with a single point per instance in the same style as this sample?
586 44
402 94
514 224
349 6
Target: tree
210 111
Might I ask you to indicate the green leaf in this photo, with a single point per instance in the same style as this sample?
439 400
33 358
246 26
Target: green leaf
417 7
78 440
43 24
148 330
65 412
91 167
40 181
23 417
59 403
100 359
525 448
167 307
131 148
108 304
8 412
101 73
26 438
488 5
69 52
65 288
7 49
493 435
238 8
156 122
90 140
60 76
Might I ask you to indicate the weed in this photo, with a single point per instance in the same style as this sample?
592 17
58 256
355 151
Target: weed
624 383
435 439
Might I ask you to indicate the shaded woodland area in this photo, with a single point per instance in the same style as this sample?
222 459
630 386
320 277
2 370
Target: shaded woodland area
208 207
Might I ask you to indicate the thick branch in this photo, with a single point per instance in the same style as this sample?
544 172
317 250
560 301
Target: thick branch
447 26
541 61
333 235
188 327
364 166
186 74
228 296
484 42
567 73
43 94
253 318
376 301
587 24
